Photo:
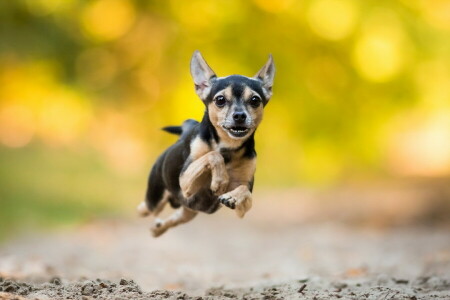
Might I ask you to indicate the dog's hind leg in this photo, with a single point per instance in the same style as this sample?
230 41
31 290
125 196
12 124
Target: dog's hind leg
143 210
156 195
182 215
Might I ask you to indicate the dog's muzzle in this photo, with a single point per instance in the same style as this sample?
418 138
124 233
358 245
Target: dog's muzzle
237 130
239 125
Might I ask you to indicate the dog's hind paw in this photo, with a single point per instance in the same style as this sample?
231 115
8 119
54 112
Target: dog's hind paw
143 210
158 228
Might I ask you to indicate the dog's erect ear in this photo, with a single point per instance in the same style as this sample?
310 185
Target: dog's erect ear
266 75
202 75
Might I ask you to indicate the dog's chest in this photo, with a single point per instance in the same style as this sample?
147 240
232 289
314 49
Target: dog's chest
240 169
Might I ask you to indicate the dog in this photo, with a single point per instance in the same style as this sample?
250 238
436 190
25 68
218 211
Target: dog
213 162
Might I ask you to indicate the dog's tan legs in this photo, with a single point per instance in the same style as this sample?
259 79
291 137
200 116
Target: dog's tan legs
182 215
143 210
239 199
195 175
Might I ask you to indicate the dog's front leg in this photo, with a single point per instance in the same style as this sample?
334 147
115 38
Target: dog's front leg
193 178
239 199
239 196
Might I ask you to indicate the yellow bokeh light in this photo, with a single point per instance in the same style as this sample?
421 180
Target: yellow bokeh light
108 19
274 6
16 126
379 53
322 164
192 107
55 113
332 19
112 134
433 81
196 14
421 146
437 13
149 84
377 57
63 118
200 18
330 55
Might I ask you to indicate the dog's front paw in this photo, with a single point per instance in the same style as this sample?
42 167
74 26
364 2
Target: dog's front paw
219 184
243 206
228 200
158 228
240 204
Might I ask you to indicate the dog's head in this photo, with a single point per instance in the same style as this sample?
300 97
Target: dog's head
234 103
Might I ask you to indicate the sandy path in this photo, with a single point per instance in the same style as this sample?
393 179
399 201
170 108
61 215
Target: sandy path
301 249
222 257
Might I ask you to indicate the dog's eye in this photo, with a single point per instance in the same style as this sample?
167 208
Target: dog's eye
255 101
220 101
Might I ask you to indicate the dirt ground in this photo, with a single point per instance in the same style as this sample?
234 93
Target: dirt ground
273 253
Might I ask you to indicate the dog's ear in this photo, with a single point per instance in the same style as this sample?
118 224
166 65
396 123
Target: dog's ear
202 75
265 75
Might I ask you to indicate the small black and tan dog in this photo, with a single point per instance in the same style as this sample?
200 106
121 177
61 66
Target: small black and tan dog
213 162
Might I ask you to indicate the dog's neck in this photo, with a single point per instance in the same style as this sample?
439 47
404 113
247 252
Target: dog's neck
219 139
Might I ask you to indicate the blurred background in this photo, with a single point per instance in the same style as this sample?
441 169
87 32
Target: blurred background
360 115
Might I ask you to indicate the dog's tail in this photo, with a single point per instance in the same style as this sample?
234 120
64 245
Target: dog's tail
178 130
182 130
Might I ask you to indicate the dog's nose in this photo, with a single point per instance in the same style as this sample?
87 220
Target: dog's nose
239 117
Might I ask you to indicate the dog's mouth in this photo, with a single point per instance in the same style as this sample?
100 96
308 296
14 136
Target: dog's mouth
237 131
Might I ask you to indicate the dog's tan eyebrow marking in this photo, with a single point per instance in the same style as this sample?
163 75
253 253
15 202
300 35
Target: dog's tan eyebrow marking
226 92
248 92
